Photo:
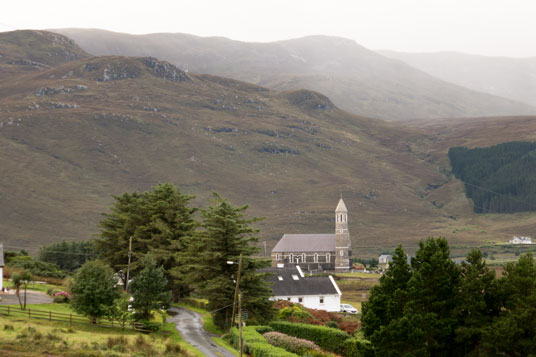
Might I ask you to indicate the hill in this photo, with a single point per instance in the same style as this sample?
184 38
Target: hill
76 133
356 79
513 78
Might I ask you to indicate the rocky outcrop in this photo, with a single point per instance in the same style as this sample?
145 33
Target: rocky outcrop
310 100
44 91
165 70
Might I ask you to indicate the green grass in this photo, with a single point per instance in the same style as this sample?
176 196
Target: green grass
35 287
222 343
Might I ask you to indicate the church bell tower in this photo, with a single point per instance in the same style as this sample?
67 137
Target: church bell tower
343 249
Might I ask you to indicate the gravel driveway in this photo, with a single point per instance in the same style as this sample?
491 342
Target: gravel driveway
33 297
190 326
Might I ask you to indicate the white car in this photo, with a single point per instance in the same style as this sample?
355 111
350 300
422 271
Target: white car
348 308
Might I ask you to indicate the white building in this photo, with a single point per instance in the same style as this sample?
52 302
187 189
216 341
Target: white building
520 240
385 259
321 293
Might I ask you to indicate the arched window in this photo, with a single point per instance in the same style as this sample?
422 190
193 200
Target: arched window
291 258
316 258
303 257
328 257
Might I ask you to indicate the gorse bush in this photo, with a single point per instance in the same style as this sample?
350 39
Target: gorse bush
289 343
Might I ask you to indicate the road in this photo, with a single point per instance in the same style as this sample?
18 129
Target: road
34 297
190 326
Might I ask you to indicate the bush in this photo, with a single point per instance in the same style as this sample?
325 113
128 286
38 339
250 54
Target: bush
36 267
349 326
289 343
60 299
326 337
294 311
332 324
263 329
194 303
357 347
150 326
256 345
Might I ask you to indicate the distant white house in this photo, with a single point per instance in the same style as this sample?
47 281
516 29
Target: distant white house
385 259
321 293
520 240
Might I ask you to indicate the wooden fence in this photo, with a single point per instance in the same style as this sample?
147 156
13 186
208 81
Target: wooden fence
70 318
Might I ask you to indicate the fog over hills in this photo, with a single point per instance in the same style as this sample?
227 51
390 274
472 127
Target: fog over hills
513 78
355 78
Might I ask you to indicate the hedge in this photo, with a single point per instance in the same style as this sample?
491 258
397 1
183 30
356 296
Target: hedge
256 345
290 343
358 347
328 338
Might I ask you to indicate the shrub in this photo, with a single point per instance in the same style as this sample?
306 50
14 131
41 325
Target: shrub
173 348
36 267
118 343
332 324
8 327
256 345
60 299
357 347
294 311
349 326
289 343
327 338
263 329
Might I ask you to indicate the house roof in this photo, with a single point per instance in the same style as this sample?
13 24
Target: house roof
291 282
1 256
305 243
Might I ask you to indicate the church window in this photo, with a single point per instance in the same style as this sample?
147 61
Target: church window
291 258
341 253
303 257
328 257
316 258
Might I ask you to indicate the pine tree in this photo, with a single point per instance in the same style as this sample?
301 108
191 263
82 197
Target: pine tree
226 234
159 222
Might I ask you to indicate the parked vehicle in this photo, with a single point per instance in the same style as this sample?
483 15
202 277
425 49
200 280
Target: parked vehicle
348 308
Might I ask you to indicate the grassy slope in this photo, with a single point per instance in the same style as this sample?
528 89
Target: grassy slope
61 166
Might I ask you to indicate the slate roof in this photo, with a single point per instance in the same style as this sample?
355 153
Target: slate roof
301 287
305 243
1 255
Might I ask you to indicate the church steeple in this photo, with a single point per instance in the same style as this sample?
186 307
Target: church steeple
342 238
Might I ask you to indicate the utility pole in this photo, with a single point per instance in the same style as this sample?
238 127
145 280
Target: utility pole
264 248
240 323
236 289
129 256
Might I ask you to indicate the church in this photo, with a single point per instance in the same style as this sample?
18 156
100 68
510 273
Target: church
313 252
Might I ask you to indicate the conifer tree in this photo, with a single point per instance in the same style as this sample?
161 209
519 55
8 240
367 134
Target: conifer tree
225 234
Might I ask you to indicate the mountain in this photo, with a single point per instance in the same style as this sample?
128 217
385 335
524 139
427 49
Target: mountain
356 79
76 133
513 78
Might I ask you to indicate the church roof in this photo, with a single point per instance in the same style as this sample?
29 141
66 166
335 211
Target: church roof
291 282
305 243
341 206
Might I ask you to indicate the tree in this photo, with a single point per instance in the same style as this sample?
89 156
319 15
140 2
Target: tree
159 221
479 302
226 234
68 256
149 289
94 289
513 332
119 310
21 279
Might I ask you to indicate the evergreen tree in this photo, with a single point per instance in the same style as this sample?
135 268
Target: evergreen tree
67 256
226 234
479 302
513 332
149 289
94 289
159 221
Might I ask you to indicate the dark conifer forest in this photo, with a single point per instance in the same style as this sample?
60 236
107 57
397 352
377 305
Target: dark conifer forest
500 178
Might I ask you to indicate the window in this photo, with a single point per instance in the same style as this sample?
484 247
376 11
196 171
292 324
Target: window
291 258
341 253
300 300
278 257
321 300
316 258
288 299
328 257
303 257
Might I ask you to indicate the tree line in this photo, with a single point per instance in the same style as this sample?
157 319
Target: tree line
500 178
433 307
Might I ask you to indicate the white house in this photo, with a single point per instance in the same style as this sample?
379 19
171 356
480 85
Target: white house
321 293
1 266
385 259
520 240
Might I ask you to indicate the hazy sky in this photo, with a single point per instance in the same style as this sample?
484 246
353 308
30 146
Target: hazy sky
487 27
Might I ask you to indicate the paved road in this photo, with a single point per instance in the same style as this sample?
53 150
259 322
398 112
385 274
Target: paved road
190 326
34 297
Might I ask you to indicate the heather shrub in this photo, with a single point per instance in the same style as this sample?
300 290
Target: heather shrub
289 343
